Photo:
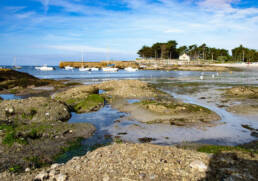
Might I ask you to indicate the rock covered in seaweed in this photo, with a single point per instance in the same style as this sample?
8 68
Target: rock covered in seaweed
34 109
81 99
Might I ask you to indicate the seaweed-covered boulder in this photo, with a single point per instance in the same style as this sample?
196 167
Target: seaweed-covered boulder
81 99
38 144
34 109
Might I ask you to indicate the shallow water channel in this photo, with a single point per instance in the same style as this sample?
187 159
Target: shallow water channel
111 123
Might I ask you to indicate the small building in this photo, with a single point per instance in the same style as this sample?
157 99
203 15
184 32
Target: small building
184 57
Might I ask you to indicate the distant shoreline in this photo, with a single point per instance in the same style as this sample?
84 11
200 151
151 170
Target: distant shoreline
237 65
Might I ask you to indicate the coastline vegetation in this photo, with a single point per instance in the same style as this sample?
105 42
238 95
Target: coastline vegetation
169 50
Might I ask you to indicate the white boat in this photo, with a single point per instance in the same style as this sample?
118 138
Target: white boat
94 69
82 69
44 68
68 68
14 64
109 69
130 69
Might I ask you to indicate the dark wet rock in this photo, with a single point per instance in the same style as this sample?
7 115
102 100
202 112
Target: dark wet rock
117 121
254 134
15 81
107 136
35 109
246 126
122 133
146 139
253 145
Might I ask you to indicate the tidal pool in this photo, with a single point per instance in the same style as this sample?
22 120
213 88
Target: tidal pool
9 96
111 123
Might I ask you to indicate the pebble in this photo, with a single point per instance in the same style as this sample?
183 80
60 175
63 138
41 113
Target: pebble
142 175
105 178
41 176
55 165
61 177
198 165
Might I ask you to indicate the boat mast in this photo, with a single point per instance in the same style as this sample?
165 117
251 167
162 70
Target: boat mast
82 58
14 62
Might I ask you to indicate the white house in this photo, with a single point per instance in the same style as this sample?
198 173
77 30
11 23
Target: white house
184 57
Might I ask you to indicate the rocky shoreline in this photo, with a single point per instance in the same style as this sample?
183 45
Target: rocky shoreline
34 131
148 162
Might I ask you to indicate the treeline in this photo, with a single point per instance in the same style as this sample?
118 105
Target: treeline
170 50
244 54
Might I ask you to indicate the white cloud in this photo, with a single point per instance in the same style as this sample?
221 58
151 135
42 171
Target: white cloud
173 30
45 3
82 48
216 3
14 9
24 15
143 24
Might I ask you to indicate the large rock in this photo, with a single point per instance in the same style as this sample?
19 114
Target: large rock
34 109
247 92
36 144
14 79
81 99
168 112
128 89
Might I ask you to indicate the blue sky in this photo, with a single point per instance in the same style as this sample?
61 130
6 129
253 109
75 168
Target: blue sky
47 31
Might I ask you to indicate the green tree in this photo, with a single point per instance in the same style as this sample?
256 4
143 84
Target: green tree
146 52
